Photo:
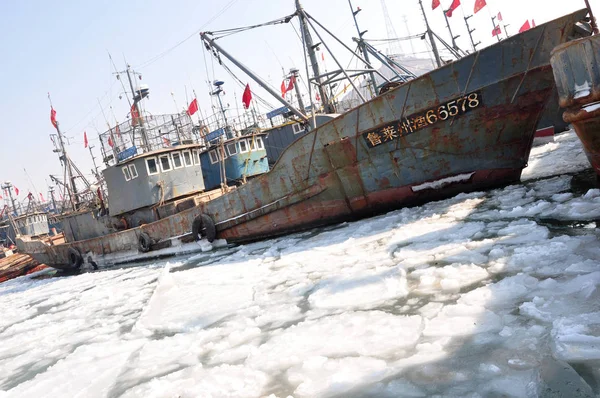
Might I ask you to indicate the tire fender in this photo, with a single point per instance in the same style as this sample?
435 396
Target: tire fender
204 227
144 242
75 258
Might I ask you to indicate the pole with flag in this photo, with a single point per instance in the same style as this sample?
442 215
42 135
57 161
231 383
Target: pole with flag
65 158
447 14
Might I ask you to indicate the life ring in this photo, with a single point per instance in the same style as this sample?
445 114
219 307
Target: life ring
144 242
75 258
204 227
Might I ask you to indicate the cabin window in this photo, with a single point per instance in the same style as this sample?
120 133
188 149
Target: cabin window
297 128
196 155
214 157
259 143
133 171
126 173
243 146
177 162
252 142
151 166
232 149
165 162
187 158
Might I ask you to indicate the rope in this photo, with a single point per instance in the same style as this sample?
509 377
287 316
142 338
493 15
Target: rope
228 32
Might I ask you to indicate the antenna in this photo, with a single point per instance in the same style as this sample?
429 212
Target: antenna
394 46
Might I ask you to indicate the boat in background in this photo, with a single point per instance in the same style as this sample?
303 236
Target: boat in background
576 67
465 126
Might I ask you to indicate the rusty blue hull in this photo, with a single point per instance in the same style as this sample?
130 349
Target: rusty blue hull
466 126
383 155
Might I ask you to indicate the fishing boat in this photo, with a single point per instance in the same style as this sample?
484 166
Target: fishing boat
465 126
576 65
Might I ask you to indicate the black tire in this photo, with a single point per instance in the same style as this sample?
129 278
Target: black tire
75 258
144 242
204 227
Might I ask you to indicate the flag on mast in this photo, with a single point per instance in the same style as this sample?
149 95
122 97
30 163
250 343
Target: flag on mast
533 23
525 27
193 107
283 89
435 4
453 6
135 115
479 4
53 117
247 97
16 190
499 16
496 31
85 141
290 86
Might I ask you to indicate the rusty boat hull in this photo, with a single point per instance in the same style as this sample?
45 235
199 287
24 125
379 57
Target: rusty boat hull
463 127
576 67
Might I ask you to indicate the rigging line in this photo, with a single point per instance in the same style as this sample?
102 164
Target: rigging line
162 54
242 85
88 113
227 32
411 37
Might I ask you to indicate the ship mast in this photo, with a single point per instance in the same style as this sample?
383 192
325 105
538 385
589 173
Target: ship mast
64 156
593 20
430 33
361 45
310 48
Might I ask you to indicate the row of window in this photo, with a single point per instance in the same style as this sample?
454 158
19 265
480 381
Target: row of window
177 160
240 146
163 163
31 220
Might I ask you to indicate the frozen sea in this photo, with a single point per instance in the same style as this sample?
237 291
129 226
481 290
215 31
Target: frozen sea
488 294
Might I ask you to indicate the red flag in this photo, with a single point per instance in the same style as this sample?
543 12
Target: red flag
318 97
435 4
453 6
85 141
323 54
496 31
134 115
117 130
283 89
247 97
499 16
193 107
533 23
290 86
17 191
110 142
166 141
525 27
53 117
42 197
479 4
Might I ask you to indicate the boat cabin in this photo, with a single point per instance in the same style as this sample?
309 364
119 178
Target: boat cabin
231 159
34 224
154 177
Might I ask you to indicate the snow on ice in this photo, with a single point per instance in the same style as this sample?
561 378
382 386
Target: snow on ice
484 294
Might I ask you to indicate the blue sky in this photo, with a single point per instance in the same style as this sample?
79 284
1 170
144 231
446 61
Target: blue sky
61 47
